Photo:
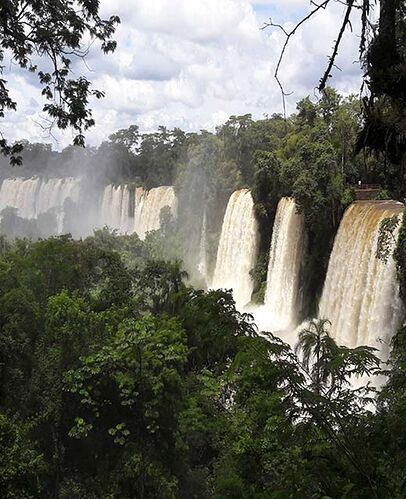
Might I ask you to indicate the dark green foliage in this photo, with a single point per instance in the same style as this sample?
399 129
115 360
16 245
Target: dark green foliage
385 73
117 380
20 463
109 362
269 187
131 393
259 275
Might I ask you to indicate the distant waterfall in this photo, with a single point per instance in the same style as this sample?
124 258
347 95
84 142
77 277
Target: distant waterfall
21 194
237 248
139 198
116 208
53 193
34 196
361 293
282 295
202 265
149 206
130 210
123 207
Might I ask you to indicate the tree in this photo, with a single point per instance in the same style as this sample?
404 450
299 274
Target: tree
159 285
126 137
313 393
382 54
53 32
328 365
138 373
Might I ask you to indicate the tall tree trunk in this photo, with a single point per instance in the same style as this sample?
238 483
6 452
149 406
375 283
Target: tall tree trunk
387 31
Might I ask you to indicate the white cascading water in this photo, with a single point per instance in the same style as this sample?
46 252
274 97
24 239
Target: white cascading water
237 248
139 198
129 210
53 193
122 208
21 194
282 295
34 196
115 208
149 206
202 265
361 293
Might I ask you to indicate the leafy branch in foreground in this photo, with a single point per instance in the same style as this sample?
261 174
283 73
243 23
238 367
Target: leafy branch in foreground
53 33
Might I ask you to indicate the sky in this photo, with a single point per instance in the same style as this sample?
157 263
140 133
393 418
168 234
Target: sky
192 64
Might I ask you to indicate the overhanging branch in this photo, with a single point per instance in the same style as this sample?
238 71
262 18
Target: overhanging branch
327 75
289 35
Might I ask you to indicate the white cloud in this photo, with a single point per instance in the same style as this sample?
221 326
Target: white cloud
192 63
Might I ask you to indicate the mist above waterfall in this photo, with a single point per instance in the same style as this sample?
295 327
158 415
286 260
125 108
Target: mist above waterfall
204 184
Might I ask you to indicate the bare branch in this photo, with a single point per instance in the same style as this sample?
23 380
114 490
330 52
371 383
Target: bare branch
289 35
326 76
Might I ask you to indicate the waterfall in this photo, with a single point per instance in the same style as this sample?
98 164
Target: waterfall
130 210
202 265
21 194
122 207
237 248
361 293
149 206
53 193
34 196
282 295
116 210
139 199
